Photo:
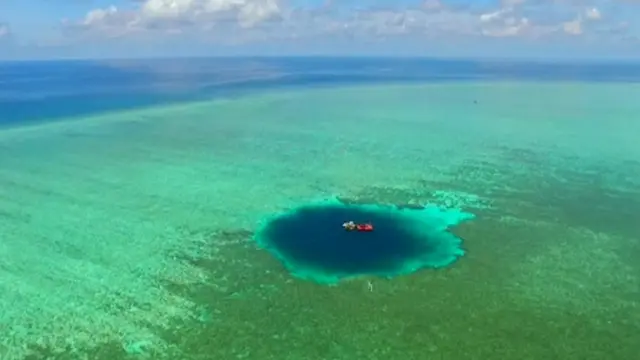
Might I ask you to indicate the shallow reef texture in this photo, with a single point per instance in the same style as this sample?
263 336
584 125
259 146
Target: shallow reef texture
129 235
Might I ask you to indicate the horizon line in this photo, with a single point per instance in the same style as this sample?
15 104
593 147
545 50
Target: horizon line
503 59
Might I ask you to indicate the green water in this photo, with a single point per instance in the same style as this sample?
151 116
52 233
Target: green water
127 235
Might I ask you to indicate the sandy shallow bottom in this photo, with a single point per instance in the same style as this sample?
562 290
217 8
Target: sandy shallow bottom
128 235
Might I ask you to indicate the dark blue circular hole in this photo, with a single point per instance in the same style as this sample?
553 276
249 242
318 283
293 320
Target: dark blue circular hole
312 243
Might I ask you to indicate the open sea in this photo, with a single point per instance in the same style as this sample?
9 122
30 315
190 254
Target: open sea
131 191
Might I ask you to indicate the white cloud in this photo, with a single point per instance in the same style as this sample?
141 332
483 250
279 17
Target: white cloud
593 14
514 27
577 26
177 16
97 16
573 27
5 30
246 12
167 8
234 21
509 21
495 15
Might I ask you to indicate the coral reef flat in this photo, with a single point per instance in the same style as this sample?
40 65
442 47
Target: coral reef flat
130 234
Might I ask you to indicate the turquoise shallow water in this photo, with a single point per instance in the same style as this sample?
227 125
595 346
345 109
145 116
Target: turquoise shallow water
128 234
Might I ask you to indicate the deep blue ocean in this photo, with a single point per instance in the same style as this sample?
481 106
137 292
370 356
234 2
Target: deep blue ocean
49 90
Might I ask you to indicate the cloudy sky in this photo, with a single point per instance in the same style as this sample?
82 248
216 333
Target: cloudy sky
450 28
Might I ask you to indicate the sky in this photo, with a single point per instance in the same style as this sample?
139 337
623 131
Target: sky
536 29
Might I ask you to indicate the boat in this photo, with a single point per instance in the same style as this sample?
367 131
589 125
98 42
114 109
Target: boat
352 226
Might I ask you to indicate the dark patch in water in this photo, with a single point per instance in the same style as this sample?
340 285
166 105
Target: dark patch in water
312 243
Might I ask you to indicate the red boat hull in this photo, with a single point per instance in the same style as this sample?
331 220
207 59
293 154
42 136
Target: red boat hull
364 228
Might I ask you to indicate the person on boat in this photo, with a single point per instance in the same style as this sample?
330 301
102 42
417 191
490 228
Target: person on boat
349 226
